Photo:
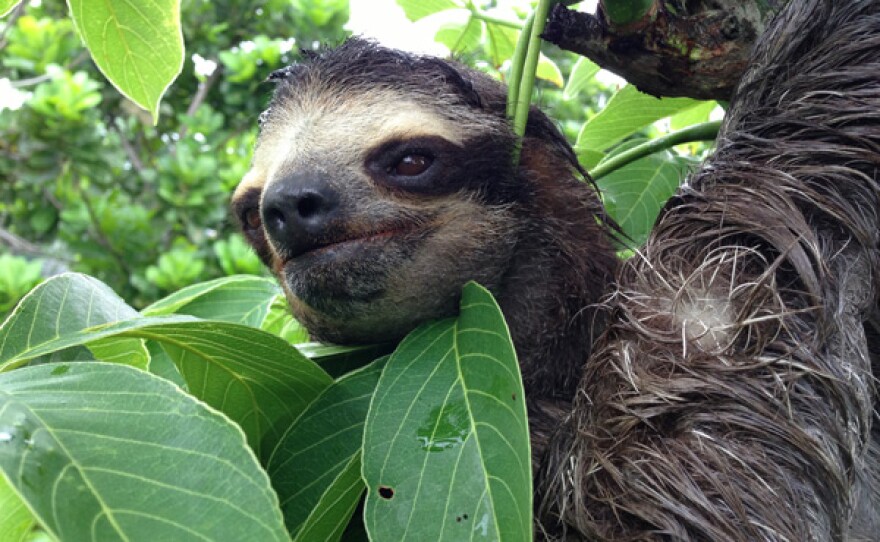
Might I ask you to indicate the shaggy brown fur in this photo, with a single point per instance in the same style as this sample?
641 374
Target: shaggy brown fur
756 423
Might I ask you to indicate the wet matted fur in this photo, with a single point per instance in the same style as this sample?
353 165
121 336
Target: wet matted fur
733 396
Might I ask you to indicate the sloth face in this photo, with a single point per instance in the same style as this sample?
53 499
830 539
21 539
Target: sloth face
374 206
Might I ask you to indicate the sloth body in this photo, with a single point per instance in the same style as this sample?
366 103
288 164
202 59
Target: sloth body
731 396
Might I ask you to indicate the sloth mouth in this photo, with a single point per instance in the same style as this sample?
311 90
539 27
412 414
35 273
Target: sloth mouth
342 244
351 267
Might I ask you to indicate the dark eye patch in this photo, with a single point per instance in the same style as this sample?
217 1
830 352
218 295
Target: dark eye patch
418 164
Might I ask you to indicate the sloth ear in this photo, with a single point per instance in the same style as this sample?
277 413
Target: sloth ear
546 153
540 127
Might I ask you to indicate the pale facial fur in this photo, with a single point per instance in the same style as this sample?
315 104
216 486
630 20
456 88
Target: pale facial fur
373 288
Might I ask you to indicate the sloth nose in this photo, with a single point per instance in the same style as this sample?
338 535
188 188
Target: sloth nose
297 212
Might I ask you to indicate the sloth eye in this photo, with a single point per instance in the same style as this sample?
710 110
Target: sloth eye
411 165
251 219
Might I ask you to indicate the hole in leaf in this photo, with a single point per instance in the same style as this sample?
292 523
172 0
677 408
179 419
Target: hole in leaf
513 396
465 516
386 492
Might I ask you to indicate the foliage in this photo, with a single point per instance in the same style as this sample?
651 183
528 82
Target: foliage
457 381
17 277
88 177
206 415
195 467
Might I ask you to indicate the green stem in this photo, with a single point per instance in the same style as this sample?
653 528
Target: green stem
516 67
530 67
477 13
705 131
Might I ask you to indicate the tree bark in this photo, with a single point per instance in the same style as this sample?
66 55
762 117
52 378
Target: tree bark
694 48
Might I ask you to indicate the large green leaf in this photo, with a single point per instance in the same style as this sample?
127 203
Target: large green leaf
582 73
8 5
636 193
16 521
419 9
316 467
256 378
61 306
446 444
106 452
138 46
627 112
241 299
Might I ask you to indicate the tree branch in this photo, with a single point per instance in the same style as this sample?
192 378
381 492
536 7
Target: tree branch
19 245
698 50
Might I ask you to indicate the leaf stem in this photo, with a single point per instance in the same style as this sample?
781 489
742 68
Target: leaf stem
705 131
477 13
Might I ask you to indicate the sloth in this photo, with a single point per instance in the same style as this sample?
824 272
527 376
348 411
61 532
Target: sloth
382 182
716 386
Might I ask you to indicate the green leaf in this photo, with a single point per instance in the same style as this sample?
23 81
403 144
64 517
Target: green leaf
446 444
316 467
638 191
341 360
138 46
622 12
460 37
107 452
627 112
5 7
256 378
63 305
419 9
16 521
694 115
582 73
589 158
118 350
279 321
549 71
241 299
500 42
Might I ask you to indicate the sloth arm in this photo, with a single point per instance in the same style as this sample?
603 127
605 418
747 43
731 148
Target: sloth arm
733 397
